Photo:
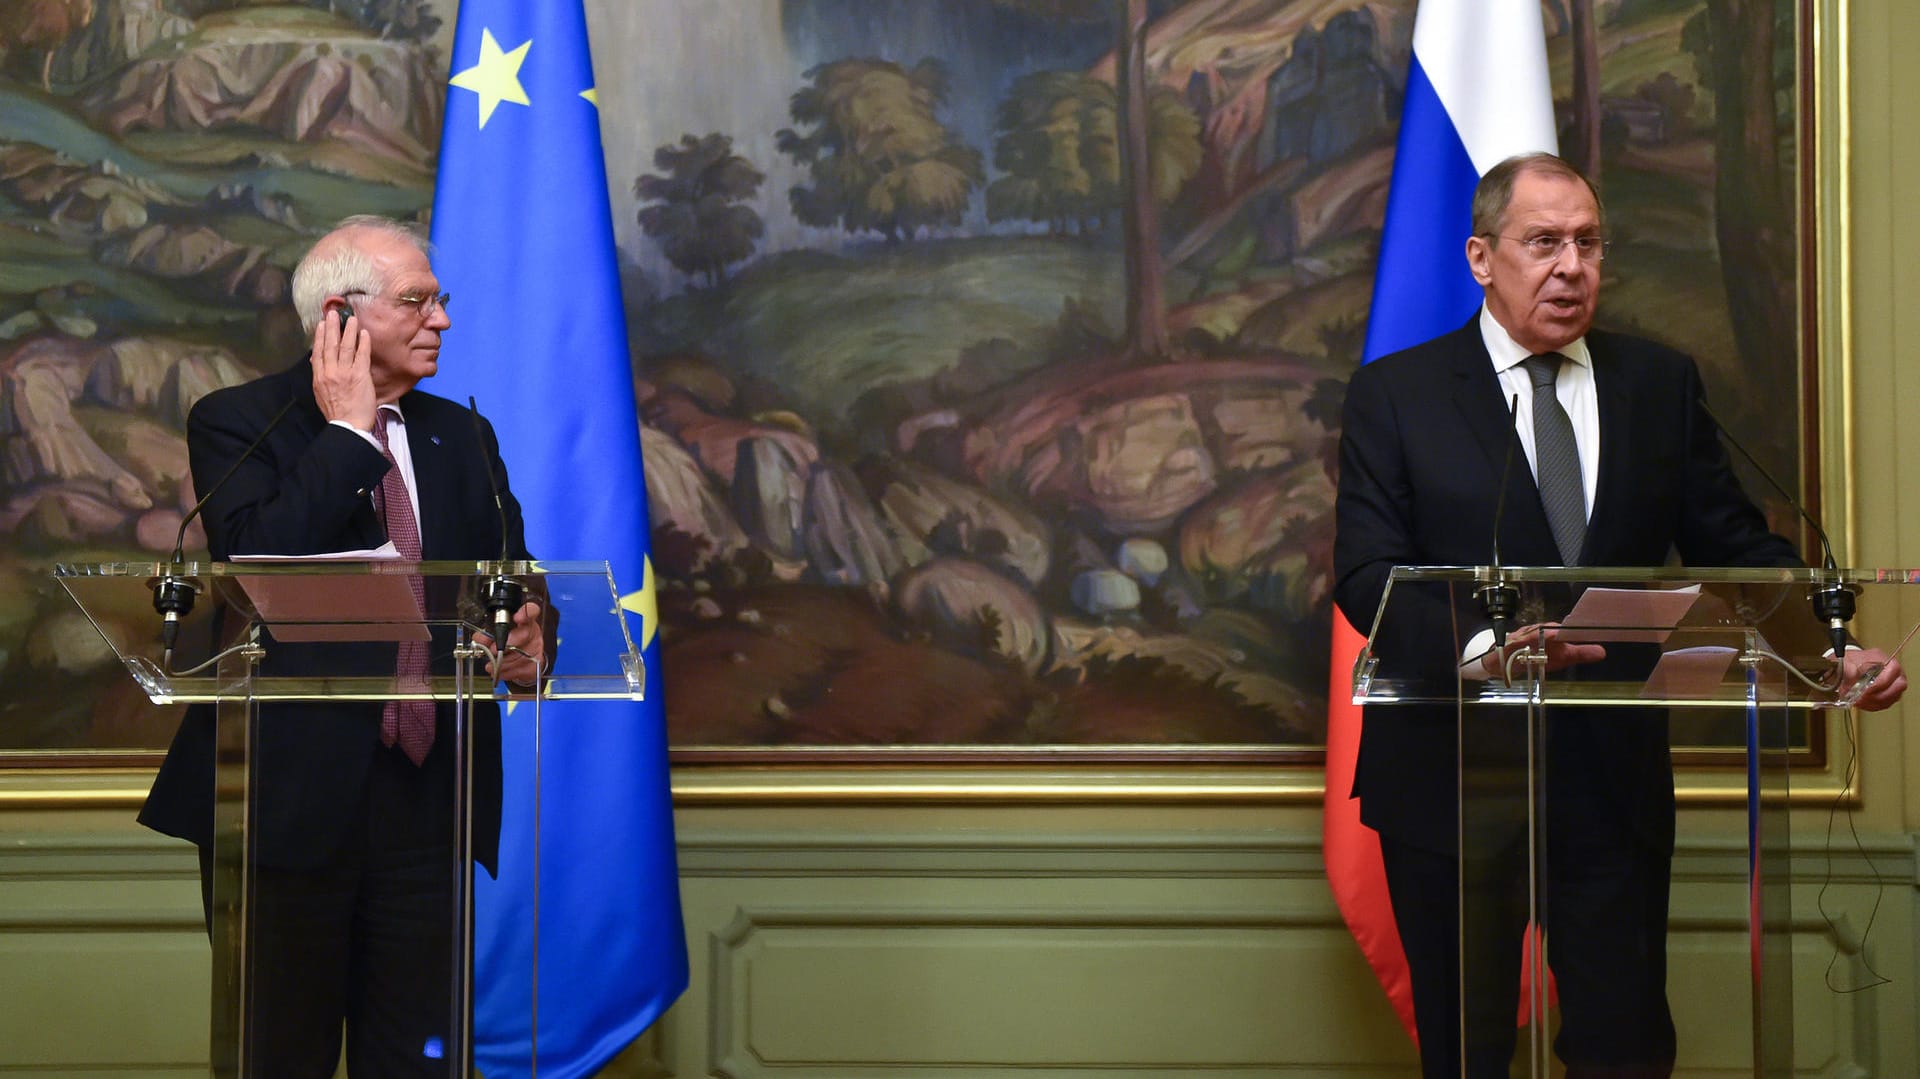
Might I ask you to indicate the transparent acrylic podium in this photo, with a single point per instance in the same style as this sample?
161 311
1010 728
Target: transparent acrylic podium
1536 755
280 636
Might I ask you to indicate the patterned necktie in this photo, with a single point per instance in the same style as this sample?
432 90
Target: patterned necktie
1557 460
409 723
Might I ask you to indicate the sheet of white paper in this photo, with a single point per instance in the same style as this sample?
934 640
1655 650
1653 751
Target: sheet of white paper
1689 674
332 607
1627 615
386 551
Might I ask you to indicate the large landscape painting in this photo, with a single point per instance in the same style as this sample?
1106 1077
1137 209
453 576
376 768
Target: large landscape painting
990 353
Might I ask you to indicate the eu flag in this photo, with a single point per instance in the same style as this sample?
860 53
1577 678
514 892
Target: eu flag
524 233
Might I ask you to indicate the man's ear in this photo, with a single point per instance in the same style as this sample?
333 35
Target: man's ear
1480 259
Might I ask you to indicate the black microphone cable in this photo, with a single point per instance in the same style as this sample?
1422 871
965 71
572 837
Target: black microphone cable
1499 600
503 594
1832 601
173 593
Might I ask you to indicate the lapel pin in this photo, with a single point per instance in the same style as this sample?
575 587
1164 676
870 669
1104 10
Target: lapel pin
435 439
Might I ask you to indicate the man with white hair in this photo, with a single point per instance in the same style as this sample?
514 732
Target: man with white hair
353 822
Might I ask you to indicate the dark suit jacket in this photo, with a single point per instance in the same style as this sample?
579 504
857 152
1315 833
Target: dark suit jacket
306 490
1424 437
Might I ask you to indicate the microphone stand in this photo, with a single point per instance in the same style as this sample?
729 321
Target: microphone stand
503 595
173 596
1499 599
174 591
1832 601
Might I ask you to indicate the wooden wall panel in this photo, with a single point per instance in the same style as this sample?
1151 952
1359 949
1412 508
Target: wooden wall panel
832 951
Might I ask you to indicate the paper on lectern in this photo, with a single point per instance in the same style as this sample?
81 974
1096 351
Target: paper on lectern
1689 674
335 607
1627 615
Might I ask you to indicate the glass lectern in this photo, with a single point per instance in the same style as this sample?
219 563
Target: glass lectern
1537 756
291 632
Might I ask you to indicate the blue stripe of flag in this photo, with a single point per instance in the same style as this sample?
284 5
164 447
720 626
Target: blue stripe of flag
1422 288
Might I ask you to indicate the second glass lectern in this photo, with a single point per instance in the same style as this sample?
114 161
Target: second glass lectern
1542 778
275 643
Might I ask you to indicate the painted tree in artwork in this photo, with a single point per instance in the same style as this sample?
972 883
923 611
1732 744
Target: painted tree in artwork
1147 334
695 213
877 155
1735 44
1146 270
1059 146
1583 139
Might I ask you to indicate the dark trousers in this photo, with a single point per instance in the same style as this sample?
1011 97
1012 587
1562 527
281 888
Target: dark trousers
1604 906
362 941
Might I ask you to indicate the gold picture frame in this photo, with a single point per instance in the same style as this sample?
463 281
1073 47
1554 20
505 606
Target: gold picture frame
1227 773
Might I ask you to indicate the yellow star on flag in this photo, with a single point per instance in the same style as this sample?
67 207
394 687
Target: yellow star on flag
496 77
592 94
644 603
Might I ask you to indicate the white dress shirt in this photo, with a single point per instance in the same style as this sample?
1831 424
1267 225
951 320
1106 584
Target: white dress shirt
1575 389
402 454
1578 395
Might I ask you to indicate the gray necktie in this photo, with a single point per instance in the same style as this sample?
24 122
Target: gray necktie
1557 460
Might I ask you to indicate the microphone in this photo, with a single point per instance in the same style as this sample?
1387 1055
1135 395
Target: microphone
173 593
503 595
1499 600
1833 602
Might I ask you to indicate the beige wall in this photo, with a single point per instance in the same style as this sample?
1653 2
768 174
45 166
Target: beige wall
1884 152
843 943
1141 939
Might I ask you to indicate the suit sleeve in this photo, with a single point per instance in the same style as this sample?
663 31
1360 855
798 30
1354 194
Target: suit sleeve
282 497
1372 509
1374 532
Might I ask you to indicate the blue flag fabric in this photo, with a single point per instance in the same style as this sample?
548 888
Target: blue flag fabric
524 233
1421 287
1478 93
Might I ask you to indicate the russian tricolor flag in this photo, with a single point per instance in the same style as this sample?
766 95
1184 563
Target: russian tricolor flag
1478 92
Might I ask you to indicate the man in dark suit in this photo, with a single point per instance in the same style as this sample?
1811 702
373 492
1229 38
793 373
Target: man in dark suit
1626 469
353 825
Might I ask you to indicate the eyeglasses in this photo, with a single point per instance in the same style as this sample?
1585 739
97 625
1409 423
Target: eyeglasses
423 305
1547 248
